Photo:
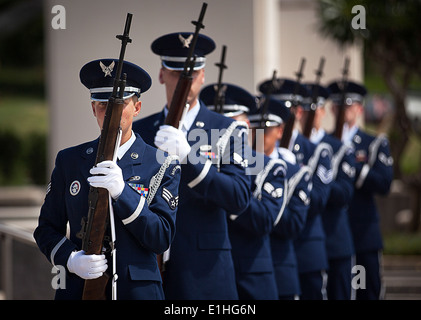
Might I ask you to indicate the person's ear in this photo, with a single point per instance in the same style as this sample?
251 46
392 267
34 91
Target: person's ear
137 107
93 108
161 76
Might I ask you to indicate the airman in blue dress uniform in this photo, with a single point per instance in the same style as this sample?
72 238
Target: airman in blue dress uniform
250 232
339 242
296 198
144 211
213 181
373 176
310 245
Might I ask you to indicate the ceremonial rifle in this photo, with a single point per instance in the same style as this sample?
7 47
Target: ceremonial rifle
340 116
93 228
219 99
179 103
273 85
179 100
315 92
289 126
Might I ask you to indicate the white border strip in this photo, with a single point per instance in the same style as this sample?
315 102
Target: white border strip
136 213
201 176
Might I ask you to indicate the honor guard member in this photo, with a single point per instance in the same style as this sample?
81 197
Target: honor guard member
213 180
339 242
310 245
250 232
296 198
373 176
144 197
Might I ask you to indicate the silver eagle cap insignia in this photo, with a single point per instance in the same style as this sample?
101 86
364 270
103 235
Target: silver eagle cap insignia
185 41
107 70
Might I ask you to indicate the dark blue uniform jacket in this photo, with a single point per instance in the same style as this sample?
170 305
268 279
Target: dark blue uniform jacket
144 225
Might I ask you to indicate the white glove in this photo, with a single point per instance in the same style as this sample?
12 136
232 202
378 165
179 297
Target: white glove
107 174
173 141
86 266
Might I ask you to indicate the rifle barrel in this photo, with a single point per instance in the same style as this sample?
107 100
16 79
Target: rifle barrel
179 99
289 126
341 108
315 92
199 25
219 97
124 40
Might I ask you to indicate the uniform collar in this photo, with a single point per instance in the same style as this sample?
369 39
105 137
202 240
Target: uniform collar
126 146
132 152
294 136
132 157
317 135
285 154
189 118
201 117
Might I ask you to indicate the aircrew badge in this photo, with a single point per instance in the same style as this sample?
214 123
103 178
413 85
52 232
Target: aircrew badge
140 188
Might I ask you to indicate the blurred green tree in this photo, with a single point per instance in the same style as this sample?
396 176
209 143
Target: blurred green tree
390 31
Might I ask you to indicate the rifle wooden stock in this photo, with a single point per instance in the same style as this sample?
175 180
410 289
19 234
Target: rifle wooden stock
286 136
98 215
339 123
309 123
179 100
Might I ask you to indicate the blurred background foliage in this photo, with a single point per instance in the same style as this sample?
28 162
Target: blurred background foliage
23 109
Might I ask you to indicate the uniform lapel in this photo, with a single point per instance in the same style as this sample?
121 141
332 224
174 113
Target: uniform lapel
88 155
133 157
201 121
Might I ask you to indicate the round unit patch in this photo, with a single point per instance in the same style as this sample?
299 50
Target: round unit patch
75 188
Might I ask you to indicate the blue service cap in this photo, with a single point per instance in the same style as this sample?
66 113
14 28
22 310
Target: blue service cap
236 99
283 89
277 112
98 76
174 48
322 95
354 92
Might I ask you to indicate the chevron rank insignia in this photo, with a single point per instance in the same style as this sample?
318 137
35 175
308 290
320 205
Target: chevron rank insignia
169 198
140 188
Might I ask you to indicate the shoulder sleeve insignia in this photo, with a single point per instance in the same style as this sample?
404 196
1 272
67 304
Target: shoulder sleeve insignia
48 188
324 175
169 198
